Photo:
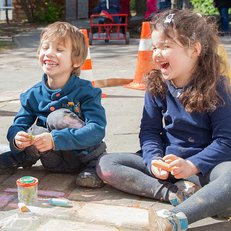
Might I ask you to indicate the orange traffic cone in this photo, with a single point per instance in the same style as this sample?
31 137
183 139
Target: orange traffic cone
86 69
144 62
222 53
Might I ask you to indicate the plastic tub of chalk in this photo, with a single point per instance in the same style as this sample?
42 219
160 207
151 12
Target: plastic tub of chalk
27 189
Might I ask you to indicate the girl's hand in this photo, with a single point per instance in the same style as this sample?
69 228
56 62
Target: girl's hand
23 140
159 173
180 168
44 142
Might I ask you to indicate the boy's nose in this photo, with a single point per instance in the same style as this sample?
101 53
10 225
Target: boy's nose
49 51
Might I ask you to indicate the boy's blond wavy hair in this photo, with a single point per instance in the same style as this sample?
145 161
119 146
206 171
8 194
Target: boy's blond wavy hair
63 31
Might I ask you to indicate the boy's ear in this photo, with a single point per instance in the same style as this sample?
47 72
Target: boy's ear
76 65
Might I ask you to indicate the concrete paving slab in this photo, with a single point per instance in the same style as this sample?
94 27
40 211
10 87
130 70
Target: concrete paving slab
63 225
117 216
13 221
58 182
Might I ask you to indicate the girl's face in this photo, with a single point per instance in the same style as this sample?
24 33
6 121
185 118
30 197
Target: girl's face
56 61
175 61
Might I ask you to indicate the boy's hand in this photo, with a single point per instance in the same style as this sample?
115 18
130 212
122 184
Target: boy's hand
23 140
44 142
180 168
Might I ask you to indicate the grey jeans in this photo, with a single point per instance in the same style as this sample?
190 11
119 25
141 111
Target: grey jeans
127 172
63 161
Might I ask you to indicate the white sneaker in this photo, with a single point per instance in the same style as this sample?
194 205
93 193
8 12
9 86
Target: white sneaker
185 190
165 220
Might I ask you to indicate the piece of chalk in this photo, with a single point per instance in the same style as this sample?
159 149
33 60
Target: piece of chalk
23 208
161 164
60 202
31 137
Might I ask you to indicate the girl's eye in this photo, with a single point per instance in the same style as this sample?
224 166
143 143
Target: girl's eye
60 49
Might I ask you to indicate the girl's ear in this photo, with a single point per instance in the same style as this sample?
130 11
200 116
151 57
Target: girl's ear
196 49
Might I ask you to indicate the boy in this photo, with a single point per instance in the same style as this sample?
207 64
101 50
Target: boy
61 120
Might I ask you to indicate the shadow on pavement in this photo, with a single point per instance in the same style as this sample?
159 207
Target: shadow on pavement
7 113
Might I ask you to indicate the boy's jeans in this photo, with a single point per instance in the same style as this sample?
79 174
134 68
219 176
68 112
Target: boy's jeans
57 161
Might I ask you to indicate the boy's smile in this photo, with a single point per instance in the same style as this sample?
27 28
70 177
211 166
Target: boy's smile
49 63
56 59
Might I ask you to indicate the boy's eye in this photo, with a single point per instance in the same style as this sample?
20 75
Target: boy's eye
45 47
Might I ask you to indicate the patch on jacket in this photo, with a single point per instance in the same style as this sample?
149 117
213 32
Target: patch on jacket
74 107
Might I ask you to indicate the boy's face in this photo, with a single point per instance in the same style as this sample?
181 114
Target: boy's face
55 59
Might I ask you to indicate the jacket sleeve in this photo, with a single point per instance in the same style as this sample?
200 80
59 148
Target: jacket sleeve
220 148
150 131
22 121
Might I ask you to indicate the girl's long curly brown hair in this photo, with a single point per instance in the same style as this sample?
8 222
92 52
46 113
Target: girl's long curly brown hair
188 28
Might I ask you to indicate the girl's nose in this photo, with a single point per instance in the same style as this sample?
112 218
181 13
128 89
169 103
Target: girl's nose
157 55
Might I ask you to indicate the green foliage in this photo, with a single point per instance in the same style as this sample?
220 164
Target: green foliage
42 11
205 7
48 13
132 5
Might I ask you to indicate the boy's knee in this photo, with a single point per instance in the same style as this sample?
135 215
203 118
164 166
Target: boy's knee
63 118
51 160
61 161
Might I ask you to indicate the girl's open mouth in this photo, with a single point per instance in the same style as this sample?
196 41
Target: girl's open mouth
164 65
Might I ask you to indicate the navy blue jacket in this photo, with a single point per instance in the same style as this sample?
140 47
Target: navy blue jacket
39 101
202 138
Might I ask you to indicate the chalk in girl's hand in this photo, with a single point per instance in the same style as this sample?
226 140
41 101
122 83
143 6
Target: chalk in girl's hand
60 202
162 165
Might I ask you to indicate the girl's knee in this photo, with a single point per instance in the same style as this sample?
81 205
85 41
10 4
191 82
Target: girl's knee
222 170
104 167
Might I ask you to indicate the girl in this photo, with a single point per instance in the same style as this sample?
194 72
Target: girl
191 98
